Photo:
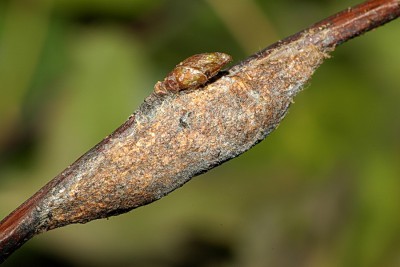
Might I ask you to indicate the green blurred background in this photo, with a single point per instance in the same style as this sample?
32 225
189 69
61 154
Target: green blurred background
322 190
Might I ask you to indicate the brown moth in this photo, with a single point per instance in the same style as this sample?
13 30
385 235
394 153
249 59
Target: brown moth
193 72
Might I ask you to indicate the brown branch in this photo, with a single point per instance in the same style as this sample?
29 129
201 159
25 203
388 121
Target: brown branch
174 137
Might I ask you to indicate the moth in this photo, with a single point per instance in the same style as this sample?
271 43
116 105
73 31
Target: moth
192 73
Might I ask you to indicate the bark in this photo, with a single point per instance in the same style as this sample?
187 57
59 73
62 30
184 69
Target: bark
174 137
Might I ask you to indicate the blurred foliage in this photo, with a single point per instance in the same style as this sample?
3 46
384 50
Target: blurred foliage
322 190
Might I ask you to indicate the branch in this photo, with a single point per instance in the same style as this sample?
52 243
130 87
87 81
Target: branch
174 137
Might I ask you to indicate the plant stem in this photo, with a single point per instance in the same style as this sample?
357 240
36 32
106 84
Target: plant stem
173 138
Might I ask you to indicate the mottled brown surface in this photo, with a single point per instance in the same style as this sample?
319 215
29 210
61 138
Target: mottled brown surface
174 137
182 135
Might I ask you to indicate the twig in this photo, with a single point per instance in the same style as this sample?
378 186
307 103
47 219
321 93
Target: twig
173 137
